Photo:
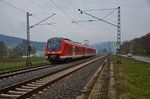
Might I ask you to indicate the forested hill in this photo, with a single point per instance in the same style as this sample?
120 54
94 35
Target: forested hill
103 47
138 46
14 41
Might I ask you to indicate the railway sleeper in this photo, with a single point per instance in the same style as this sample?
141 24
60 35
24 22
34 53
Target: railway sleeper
9 96
16 92
38 83
34 85
23 89
29 87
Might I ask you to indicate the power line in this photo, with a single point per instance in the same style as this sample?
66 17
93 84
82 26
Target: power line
23 11
81 25
42 21
69 16
109 14
66 31
100 9
41 14
84 21
38 5
64 14
97 18
61 9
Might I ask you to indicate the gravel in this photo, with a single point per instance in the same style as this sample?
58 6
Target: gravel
30 75
71 86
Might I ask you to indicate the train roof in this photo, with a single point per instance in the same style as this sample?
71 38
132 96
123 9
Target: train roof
61 38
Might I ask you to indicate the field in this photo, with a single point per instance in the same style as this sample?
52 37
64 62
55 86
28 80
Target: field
18 63
132 79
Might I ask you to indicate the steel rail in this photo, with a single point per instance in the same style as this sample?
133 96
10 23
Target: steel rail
27 88
22 71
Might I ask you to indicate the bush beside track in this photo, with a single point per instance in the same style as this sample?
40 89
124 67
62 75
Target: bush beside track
132 79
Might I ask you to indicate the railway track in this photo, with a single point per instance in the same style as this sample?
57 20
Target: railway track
20 77
27 88
4 75
22 71
8 74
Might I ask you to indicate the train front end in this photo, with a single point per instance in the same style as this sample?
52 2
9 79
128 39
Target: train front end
53 49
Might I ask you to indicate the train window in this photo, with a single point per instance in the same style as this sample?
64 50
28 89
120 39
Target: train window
73 49
70 49
54 44
76 50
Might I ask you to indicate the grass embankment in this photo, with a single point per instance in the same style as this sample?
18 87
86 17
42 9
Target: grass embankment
14 64
132 79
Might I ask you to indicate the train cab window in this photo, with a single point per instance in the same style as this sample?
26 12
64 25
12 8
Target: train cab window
54 44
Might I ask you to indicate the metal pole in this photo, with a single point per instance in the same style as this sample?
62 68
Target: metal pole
118 44
28 63
119 38
109 47
86 42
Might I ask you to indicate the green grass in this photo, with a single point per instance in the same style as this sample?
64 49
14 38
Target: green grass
15 64
132 79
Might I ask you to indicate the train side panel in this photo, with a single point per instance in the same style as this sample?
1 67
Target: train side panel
67 50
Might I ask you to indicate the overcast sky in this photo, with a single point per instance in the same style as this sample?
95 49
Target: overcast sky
135 19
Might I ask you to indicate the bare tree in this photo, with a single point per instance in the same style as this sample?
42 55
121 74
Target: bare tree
3 50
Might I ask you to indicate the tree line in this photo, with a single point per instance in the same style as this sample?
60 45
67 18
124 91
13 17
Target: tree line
15 52
138 46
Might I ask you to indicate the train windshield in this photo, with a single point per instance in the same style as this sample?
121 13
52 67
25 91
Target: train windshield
54 44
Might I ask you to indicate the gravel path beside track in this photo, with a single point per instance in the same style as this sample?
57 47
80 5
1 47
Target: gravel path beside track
71 86
30 75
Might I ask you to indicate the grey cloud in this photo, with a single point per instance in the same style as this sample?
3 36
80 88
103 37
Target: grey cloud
134 19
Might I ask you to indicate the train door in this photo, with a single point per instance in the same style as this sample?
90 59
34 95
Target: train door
73 50
86 51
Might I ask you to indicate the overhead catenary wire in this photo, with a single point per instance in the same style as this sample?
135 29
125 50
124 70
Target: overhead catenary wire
42 21
81 25
70 17
95 20
66 31
61 9
23 11
96 17
100 9
57 26
84 21
17 8
31 1
109 13
38 5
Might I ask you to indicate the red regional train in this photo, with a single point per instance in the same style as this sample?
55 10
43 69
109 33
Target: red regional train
60 49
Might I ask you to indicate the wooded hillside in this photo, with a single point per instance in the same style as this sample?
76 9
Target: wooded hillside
138 46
